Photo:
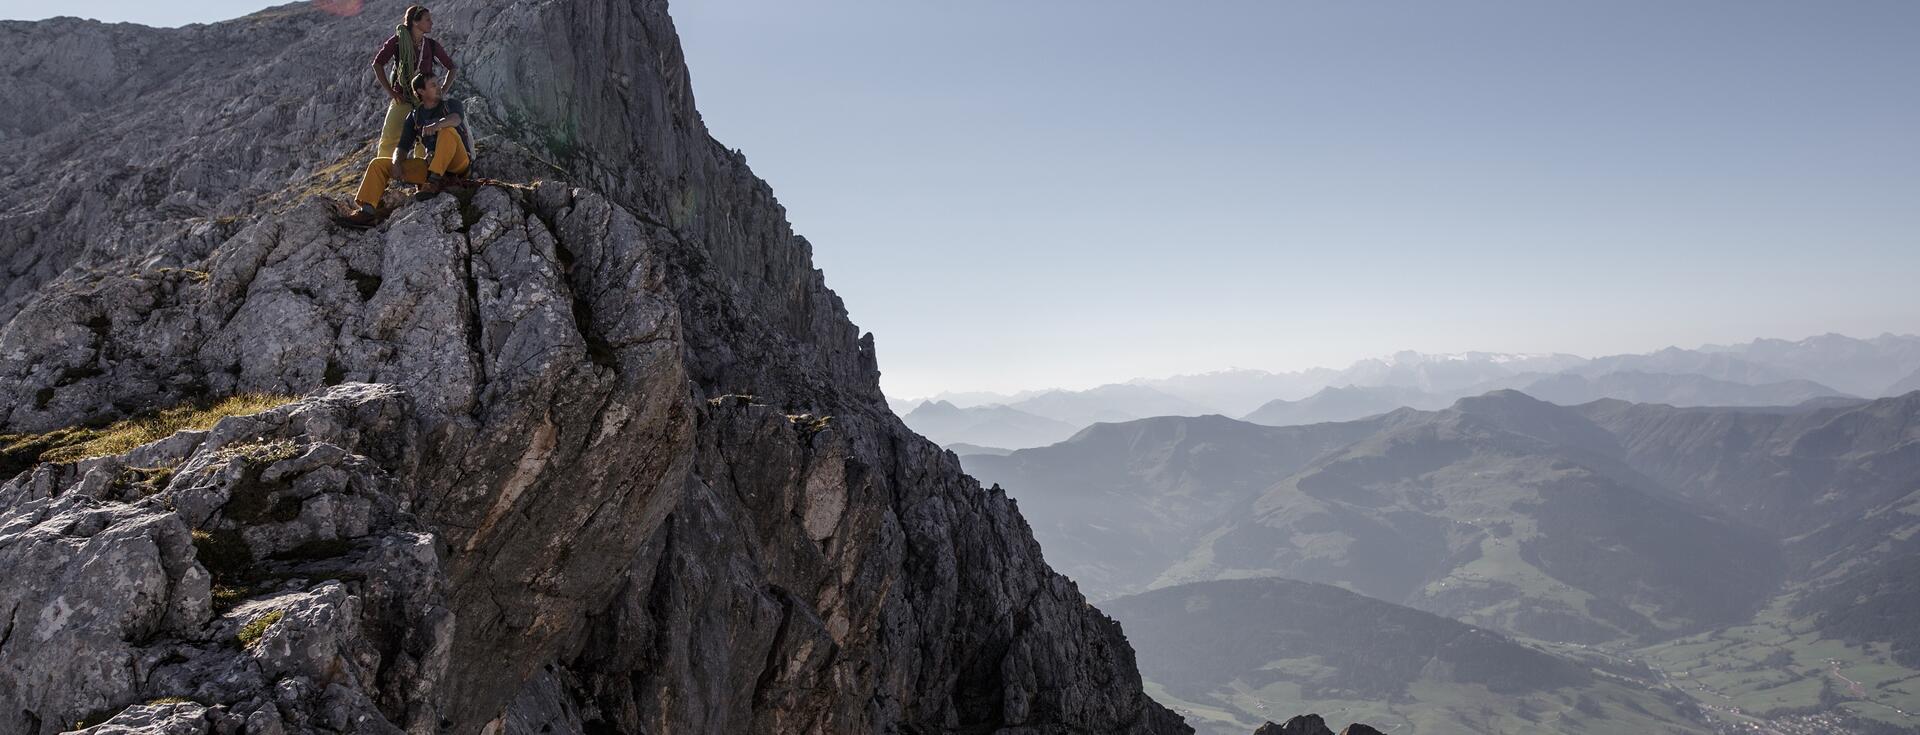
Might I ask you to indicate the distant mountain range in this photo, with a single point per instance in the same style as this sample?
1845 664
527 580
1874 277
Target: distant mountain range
1766 372
1862 367
1567 389
1677 389
1000 426
1754 554
1343 404
1907 384
1488 511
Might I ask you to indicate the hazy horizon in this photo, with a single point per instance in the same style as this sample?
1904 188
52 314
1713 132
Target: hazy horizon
1015 197
1343 365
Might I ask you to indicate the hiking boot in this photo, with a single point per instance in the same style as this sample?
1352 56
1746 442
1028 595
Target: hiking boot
360 218
430 189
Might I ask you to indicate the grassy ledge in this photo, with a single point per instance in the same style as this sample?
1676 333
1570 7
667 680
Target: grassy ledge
19 452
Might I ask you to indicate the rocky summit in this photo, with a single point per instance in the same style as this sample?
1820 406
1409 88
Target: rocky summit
1311 725
595 451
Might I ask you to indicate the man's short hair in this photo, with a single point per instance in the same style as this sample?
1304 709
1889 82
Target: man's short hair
420 80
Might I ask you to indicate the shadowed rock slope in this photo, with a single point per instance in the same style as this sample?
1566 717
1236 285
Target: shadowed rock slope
598 455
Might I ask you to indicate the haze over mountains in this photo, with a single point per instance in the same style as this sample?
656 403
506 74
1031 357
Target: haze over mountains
1765 372
1759 560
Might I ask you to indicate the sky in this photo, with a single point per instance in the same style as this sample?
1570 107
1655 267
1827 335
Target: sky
1015 194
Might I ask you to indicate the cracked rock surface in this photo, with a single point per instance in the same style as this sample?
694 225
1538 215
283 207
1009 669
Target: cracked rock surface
600 452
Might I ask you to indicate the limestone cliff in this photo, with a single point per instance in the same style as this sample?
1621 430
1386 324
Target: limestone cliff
597 454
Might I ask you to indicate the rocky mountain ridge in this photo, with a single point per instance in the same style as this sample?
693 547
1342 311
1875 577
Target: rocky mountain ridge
597 453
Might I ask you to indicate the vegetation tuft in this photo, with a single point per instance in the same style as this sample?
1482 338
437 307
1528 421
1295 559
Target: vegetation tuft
810 424
147 480
19 452
251 632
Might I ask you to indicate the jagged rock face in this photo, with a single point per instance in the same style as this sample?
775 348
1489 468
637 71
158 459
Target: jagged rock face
1297 725
534 504
1311 725
112 572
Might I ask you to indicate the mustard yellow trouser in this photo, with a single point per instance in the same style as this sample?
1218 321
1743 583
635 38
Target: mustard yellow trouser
390 132
449 154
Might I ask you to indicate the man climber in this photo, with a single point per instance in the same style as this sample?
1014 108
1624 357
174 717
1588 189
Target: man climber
437 126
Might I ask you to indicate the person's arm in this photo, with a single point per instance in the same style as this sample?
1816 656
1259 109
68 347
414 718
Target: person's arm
380 80
452 119
440 52
380 59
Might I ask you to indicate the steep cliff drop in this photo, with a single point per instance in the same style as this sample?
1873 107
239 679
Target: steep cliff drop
599 454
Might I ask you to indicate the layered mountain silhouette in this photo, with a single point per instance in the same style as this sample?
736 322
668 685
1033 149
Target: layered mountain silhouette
1108 403
1343 404
988 426
1863 367
1907 384
1118 503
1763 373
1681 389
1503 511
1763 539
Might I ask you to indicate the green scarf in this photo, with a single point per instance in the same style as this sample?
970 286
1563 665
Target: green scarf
406 64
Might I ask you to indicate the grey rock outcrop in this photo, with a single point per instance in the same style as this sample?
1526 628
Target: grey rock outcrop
115 576
1296 725
1311 725
601 453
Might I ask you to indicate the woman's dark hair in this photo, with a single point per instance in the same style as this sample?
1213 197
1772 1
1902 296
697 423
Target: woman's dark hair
420 80
414 12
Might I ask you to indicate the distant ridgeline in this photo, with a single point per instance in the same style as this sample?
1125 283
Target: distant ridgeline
1697 569
1767 372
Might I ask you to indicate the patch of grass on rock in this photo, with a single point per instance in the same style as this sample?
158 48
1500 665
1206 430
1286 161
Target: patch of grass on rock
251 632
19 452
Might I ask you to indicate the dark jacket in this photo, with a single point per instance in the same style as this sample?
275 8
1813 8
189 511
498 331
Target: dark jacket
423 116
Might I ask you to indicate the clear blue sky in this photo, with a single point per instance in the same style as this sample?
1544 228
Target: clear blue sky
1018 194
